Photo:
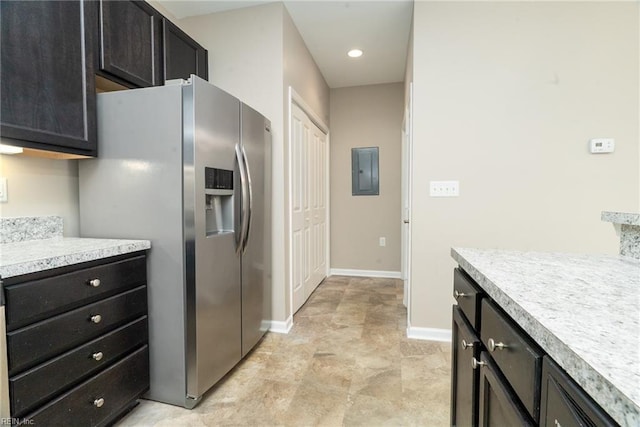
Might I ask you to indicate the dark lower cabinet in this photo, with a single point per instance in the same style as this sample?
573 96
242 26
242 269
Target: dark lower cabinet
88 364
183 56
100 399
130 40
464 379
501 377
498 405
516 355
565 404
36 386
47 75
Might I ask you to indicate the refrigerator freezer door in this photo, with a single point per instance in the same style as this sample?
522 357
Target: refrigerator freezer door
256 259
212 130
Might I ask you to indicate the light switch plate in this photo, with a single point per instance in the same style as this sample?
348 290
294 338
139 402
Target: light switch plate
3 190
444 188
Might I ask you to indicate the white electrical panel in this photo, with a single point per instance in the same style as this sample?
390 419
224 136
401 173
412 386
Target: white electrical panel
602 145
444 188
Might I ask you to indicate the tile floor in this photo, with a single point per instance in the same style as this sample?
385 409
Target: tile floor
346 362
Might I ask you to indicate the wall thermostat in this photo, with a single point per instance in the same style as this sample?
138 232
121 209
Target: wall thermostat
602 145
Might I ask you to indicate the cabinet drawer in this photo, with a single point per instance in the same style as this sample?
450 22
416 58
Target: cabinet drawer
519 358
32 301
40 341
41 383
468 295
465 346
117 386
564 403
498 405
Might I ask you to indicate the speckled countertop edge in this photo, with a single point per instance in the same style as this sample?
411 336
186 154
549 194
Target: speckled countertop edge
619 405
24 228
621 218
37 255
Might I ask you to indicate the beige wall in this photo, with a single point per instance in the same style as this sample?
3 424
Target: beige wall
302 73
39 187
366 116
255 54
506 97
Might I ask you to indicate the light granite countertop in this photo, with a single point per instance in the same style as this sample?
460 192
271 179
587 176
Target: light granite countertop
36 255
621 218
583 310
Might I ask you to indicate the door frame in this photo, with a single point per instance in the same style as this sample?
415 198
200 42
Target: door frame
294 98
406 173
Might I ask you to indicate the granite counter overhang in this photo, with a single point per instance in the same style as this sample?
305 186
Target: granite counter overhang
583 310
37 255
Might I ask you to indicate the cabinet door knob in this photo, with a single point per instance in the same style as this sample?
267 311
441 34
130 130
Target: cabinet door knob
97 356
94 283
96 318
457 294
466 345
98 402
495 345
475 363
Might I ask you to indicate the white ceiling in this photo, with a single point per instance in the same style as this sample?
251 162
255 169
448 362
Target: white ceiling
331 28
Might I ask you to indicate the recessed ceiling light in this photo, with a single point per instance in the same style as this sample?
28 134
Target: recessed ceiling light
355 53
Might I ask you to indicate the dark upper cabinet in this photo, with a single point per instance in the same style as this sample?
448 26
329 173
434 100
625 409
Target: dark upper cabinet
130 40
183 56
47 75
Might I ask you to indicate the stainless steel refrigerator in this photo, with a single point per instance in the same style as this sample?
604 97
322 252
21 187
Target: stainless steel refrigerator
187 166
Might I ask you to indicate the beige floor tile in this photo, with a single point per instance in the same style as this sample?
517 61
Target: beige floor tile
346 362
317 405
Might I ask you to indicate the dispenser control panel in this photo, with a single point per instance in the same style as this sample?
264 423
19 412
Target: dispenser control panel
218 179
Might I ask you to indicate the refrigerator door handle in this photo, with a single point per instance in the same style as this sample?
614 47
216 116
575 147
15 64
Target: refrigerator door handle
244 216
249 211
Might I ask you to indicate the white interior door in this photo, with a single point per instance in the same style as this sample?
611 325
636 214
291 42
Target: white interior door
319 209
299 249
309 210
406 202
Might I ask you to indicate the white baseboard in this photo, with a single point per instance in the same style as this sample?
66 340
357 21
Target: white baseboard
281 327
429 334
365 273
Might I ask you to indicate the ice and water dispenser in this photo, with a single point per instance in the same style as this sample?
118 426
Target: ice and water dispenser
219 201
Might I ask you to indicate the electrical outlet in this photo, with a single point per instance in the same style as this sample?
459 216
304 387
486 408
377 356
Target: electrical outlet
3 190
383 241
444 188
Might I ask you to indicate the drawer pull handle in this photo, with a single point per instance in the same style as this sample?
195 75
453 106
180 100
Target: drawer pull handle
475 363
466 345
496 345
94 283
97 356
98 402
457 294
96 318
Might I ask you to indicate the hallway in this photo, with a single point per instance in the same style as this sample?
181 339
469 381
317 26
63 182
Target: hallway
345 362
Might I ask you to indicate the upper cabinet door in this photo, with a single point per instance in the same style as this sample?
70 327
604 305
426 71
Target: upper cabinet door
130 42
47 75
183 56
